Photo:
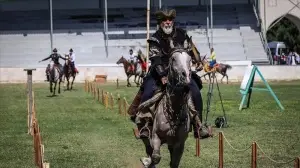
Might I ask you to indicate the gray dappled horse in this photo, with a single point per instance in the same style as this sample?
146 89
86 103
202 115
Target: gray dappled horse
55 77
171 119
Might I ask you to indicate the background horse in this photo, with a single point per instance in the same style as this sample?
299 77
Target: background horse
218 67
143 65
171 123
136 72
69 72
55 76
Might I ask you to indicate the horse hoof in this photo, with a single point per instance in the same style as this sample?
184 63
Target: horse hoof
146 161
156 158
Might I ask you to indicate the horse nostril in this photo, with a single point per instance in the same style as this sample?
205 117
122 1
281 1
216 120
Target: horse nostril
183 74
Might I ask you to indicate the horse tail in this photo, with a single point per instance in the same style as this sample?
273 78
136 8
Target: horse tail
228 66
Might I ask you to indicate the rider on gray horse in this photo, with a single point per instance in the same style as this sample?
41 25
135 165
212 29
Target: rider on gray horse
55 58
159 54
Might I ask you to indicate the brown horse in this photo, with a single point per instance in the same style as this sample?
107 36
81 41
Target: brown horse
137 71
218 67
69 72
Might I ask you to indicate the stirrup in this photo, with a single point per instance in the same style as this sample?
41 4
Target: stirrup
138 133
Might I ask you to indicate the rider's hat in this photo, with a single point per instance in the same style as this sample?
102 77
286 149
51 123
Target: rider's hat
165 14
71 50
54 50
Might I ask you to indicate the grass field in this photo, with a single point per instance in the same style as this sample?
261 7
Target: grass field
79 132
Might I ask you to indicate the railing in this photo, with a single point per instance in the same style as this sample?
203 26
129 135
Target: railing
262 36
266 48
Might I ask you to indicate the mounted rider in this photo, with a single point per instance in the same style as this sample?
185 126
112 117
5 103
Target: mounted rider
72 57
132 60
159 48
55 58
212 58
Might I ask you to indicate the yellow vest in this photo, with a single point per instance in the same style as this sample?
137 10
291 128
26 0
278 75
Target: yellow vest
213 56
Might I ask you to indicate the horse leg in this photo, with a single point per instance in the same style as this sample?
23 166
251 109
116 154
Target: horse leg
72 82
146 161
55 83
51 87
176 154
128 83
135 79
156 143
222 77
138 81
59 86
68 83
226 77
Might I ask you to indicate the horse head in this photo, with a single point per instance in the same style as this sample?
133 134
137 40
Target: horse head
122 60
141 56
67 59
179 69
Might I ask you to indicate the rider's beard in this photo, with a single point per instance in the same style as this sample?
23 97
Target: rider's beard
167 29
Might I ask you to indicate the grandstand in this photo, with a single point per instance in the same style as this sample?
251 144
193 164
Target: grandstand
25 39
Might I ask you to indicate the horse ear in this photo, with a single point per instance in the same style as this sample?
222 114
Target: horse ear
171 44
185 43
190 42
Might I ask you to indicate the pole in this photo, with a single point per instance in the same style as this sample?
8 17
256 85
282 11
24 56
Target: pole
51 25
106 28
159 7
148 35
29 93
211 23
159 4
207 22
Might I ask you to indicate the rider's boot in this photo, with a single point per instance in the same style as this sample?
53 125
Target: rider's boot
142 123
133 108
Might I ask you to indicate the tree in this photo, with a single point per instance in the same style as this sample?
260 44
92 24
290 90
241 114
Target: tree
287 32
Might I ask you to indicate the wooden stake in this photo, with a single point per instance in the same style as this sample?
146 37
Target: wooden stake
111 101
254 155
221 149
119 104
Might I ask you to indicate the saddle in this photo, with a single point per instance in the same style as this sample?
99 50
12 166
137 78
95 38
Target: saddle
131 68
144 66
216 65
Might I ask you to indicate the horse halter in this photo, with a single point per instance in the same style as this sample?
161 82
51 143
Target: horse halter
172 73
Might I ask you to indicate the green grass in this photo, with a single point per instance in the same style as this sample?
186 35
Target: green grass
78 132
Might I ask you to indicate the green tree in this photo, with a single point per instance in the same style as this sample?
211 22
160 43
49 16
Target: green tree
285 31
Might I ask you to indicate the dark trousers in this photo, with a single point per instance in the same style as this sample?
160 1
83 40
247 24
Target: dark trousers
150 85
73 67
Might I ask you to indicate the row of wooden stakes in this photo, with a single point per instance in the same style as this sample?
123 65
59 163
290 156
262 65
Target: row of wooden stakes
34 130
106 98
